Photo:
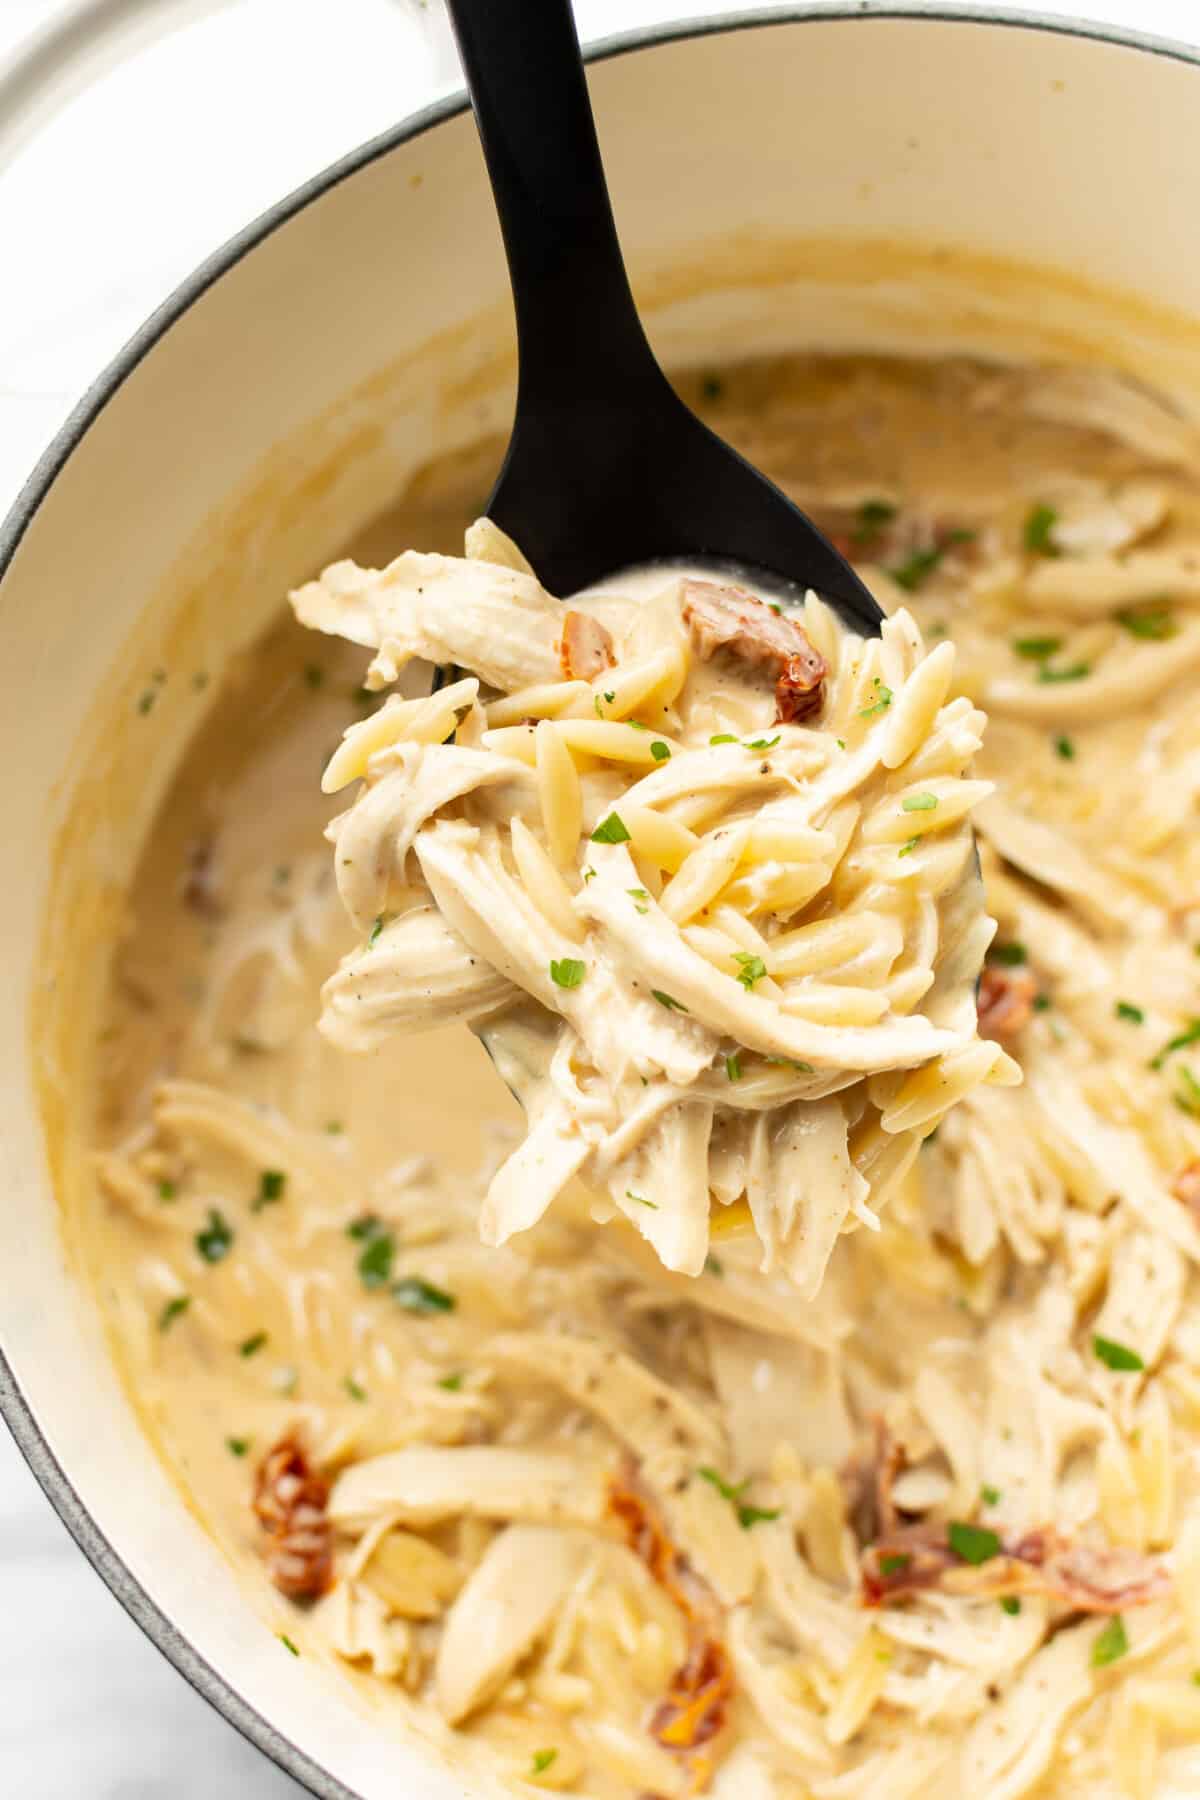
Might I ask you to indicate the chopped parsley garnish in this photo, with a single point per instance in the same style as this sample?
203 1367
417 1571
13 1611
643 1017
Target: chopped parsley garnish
237 1446
989 1495
418 1296
567 972
1039 523
919 803
714 1266
373 934
375 1261
669 1000
216 1240
733 1065
611 831
712 387
763 743
641 1200
146 700
638 893
660 751
452 1383
1111 1644
271 1184
725 1488
252 1345
1154 623
881 702
1187 1091
167 1191
1125 1009
334 1127
1116 1356
1011 1605
1064 747
610 695
287 1643
352 1388
589 874
752 967
172 1310
1011 955
1036 649
364 1227
1189 1035
1042 1003
723 737
756 1515
908 848
1069 672
974 1543
542 1759
314 674
895 1564
788 1062
873 515
912 571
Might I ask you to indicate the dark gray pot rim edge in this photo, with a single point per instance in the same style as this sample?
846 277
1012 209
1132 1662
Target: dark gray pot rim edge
14 1408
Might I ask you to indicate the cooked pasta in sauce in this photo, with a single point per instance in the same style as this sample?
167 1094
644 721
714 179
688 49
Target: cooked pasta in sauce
930 1526
700 873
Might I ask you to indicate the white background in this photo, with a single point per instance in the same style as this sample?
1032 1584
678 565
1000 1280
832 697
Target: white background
114 181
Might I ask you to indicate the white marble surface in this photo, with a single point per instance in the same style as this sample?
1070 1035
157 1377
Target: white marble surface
88 1709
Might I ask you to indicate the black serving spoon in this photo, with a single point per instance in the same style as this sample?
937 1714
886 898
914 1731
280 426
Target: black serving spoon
606 467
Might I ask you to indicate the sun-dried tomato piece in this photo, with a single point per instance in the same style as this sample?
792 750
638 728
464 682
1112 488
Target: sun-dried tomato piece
697 1700
585 647
728 619
1086 1577
1005 1002
289 1502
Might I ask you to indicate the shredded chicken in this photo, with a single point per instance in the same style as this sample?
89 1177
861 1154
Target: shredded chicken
1006 1000
729 619
289 1503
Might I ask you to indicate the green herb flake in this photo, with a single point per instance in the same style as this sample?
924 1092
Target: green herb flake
334 1127
611 831
881 702
1039 523
287 1643
271 1184
1189 1035
1153 624
375 1261
452 1383
589 874
660 751
1187 1091
752 967
749 1516
989 1495
641 1200
418 1296
353 1389
567 972
252 1345
908 848
638 893
1064 747
723 737
919 803
216 1240
1124 1009
237 1446
1111 1644
374 933
1011 1605
314 674
712 387
1068 672
367 1225
895 1564
669 1000
146 701
873 516
912 571
596 706
725 1488
1037 649
714 1266
733 1065
788 1062
974 1543
167 1191
763 743
1011 955
542 1760
173 1310
1116 1356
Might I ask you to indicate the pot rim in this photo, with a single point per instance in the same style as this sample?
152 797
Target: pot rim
14 1408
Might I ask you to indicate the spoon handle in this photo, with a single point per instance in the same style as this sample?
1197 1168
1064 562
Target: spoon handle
577 326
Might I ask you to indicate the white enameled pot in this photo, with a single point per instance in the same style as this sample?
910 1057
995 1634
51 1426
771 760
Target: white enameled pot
853 175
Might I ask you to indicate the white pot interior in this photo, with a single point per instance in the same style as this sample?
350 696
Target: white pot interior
889 183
